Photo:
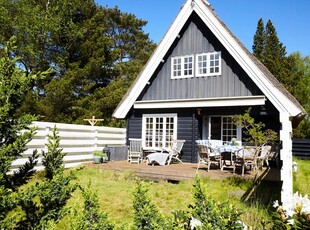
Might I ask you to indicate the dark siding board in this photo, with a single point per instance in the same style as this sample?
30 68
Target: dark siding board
301 148
134 126
197 38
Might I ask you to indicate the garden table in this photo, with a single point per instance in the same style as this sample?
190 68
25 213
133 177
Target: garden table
227 153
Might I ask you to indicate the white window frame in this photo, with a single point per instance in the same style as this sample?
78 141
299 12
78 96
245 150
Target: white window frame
163 141
208 64
207 125
182 69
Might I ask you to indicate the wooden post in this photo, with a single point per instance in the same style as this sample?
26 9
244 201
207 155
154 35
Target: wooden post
93 120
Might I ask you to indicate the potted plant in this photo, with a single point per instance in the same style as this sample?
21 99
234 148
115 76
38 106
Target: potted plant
99 157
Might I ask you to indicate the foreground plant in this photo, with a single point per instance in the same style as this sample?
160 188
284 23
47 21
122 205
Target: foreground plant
206 213
146 214
91 217
13 85
294 214
38 206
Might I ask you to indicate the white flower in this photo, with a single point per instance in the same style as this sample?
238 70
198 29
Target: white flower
290 213
244 226
276 204
290 222
194 223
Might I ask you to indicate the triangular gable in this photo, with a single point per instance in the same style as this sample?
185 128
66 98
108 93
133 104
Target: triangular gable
272 89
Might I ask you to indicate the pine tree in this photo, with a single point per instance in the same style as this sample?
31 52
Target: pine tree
31 207
13 84
259 41
274 54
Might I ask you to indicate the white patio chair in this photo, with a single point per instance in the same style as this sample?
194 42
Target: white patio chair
208 155
263 156
246 157
135 150
175 151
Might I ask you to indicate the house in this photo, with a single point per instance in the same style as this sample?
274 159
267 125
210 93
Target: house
199 75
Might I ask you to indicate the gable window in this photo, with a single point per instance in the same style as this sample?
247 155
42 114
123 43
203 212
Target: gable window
158 130
182 66
208 64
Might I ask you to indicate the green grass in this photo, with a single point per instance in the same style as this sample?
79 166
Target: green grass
115 192
302 177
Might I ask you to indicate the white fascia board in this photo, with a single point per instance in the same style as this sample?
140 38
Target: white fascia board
201 102
278 99
154 61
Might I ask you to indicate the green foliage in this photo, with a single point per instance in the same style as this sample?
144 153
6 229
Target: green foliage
99 153
45 201
254 130
213 215
146 214
53 158
259 40
91 217
292 71
39 206
13 84
88 48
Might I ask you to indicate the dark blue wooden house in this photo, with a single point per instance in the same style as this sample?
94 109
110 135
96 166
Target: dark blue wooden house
199 75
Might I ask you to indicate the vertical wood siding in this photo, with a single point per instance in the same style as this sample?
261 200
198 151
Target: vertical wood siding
196 38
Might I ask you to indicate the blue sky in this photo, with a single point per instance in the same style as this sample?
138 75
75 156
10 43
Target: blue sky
291 18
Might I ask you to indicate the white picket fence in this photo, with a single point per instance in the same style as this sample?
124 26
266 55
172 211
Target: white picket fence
78 141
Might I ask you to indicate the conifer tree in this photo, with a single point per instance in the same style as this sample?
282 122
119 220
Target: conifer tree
274 54
13 84
259 40
41 205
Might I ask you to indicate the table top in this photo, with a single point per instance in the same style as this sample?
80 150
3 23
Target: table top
229 148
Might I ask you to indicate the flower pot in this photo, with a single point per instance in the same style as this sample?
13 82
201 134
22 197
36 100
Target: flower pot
97 159
105 159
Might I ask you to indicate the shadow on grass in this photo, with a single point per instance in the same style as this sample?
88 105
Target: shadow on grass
263 191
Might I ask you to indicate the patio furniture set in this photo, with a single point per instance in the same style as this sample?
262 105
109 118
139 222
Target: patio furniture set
209 152
232 156
161 156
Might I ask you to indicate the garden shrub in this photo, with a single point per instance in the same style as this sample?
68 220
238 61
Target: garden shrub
146 214
91 217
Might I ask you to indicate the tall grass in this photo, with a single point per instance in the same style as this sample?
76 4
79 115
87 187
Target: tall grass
115 192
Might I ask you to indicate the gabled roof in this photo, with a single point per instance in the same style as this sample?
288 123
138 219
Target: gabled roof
269 85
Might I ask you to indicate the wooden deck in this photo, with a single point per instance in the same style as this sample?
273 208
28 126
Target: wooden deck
173 172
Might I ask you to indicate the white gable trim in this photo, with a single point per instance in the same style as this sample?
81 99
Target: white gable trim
201 102
277 98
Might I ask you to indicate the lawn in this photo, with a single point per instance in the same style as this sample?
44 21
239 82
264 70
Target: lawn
301 178
115 192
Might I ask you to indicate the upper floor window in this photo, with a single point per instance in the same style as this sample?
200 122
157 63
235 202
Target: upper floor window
208 64
182 66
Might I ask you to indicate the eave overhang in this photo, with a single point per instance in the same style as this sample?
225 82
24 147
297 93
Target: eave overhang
201 102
